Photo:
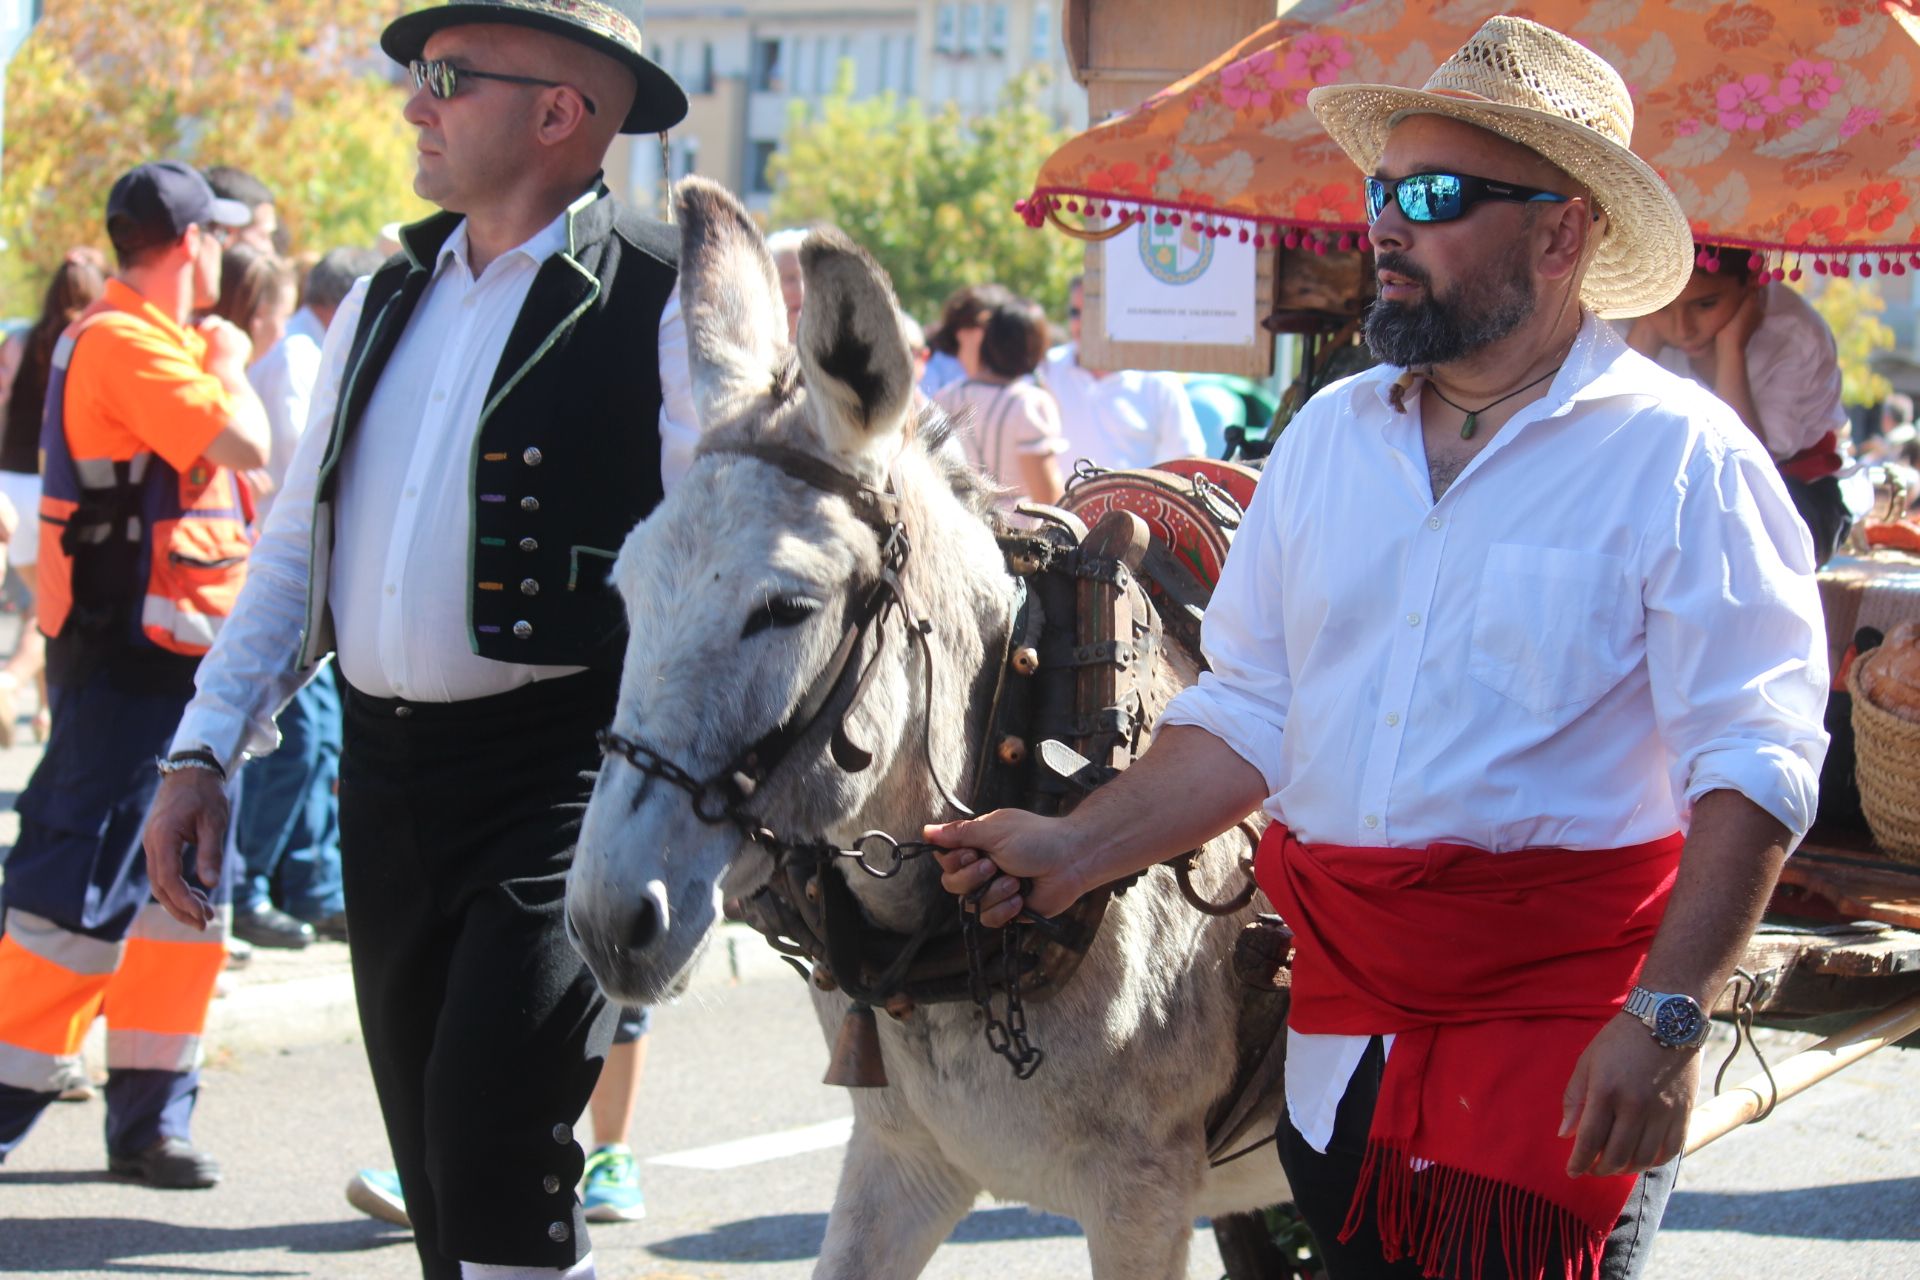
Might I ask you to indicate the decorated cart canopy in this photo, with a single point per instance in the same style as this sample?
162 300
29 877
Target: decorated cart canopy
1789 128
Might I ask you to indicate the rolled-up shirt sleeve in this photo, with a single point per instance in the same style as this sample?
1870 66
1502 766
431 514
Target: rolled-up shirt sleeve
1243 699
1736 641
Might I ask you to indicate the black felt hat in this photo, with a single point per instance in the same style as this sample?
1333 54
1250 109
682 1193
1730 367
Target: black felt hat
610 26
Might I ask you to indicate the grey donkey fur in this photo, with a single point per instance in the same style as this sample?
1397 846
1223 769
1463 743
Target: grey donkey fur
1139 1044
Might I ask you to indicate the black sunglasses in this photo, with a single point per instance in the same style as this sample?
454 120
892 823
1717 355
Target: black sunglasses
1442 197
442 79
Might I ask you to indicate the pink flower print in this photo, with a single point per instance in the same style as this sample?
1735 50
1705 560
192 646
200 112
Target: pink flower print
1314 60
1858 118
1746 103
1795 120
1688 127
1247 83
1810 83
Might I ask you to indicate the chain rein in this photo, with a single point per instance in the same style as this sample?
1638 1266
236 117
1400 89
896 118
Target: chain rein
722 800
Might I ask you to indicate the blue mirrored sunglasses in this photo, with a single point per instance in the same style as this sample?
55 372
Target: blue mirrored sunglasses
1442 197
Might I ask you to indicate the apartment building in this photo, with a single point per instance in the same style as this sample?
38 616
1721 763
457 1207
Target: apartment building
745 66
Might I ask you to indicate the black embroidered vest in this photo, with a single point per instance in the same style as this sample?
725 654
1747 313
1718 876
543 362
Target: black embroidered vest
566 459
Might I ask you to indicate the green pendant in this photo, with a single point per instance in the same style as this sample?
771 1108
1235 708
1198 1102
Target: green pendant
1466 428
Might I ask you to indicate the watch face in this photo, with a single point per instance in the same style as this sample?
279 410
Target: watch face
1678 1021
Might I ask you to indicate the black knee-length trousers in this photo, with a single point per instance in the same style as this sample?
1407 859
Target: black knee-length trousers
483 1027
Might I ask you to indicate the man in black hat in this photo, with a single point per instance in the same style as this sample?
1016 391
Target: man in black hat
493 406
148 421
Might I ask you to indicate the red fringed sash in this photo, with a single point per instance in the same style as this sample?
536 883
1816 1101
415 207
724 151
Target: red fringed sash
1493 972
1815 462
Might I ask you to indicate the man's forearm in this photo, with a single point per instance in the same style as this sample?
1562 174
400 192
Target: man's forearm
1727 871
1188 788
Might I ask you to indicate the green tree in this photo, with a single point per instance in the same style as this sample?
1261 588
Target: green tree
1850 308
294 91
929 194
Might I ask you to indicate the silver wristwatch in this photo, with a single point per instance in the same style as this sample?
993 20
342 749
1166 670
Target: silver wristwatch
1676 1021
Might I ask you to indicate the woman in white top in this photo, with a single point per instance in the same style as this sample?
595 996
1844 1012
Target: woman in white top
1770 356
1014 433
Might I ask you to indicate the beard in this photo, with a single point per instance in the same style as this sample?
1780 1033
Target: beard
1442 330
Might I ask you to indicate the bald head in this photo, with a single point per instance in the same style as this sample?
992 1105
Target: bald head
546 132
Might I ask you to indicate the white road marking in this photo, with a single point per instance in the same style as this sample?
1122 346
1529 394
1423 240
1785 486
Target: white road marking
758 1150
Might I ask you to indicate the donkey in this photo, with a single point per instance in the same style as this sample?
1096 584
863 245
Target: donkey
736 589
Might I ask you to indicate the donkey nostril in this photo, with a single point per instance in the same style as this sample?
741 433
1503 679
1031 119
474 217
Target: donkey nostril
648 919
644 926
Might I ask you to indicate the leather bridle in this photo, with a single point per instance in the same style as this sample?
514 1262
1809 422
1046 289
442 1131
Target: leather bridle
723 798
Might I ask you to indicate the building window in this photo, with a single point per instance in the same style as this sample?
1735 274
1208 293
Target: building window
1042 33
946 29
686 158
705 80
822 69
766 66
970 29
759 181
996 28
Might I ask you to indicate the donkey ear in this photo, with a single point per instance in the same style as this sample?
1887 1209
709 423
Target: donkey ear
859 371
730 296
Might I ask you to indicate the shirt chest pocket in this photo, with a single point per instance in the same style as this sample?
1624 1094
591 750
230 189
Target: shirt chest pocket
1550 626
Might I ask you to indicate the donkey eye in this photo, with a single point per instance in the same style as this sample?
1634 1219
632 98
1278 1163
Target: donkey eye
781 611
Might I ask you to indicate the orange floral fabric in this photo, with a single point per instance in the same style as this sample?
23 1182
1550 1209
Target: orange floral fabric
1791 127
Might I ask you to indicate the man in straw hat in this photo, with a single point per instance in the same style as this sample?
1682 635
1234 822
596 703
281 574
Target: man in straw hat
1520 649
489 423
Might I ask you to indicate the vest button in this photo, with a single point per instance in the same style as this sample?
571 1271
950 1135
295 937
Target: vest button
529 504
523 630
529 587
531 457
550 1184
562 1133
558 1233
529 544
403 712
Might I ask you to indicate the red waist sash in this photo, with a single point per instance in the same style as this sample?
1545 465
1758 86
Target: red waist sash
1493 972
1815 462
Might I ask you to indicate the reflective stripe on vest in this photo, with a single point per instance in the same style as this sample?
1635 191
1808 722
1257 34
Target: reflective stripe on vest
168 551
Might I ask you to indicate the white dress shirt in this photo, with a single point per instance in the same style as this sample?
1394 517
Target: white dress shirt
1608 614
283 378
1126 419
399 580
1793 370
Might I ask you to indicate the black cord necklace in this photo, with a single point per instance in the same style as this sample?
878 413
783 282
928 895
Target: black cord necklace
1473 415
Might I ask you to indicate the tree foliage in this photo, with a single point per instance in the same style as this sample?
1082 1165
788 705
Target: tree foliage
295 92
1850 308
929 194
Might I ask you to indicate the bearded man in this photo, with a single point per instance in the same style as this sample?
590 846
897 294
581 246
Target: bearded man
1520 649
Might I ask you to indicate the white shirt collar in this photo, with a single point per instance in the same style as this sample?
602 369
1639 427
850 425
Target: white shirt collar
1599 365
536 248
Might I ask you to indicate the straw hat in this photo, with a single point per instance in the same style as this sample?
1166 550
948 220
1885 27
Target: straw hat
1558 98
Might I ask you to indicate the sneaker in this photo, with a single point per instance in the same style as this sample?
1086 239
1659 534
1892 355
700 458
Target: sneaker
376 1193
612 1189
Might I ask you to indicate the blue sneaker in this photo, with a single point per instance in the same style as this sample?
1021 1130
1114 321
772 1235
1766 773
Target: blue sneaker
611 1192
377 1193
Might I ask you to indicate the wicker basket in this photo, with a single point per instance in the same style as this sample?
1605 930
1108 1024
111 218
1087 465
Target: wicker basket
1887 765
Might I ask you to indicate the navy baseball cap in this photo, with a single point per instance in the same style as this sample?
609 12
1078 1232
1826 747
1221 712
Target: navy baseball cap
155 204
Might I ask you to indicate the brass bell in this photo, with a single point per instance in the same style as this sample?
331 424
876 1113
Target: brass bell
823 977
1026 659
812 890
1012 750
855 1062
900 1006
